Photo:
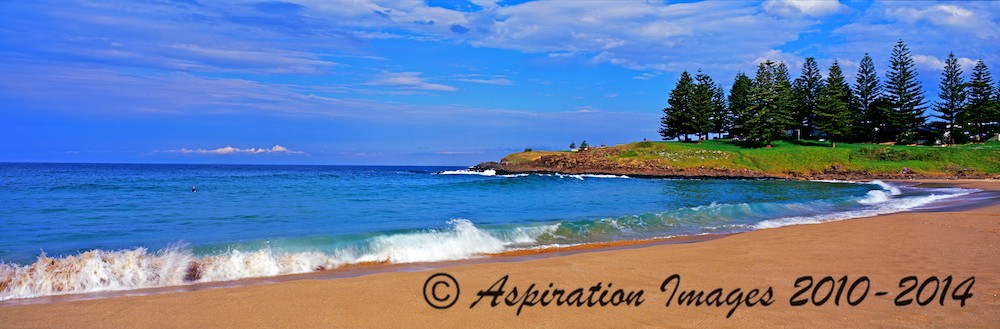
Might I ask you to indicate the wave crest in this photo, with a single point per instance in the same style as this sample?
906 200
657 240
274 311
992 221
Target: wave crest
100 270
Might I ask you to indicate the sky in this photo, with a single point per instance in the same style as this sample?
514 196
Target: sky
363 82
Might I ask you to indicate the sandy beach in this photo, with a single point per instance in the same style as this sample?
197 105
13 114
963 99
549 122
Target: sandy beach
764 265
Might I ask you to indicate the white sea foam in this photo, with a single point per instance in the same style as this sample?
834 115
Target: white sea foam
885 186
874 197
880 204
100 270
464 241
582 176
491 172
836 181
95 270
487 172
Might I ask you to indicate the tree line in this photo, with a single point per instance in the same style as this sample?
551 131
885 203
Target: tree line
770 106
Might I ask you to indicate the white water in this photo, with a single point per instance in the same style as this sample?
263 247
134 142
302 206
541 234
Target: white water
487 172
882 202
491 172
100 270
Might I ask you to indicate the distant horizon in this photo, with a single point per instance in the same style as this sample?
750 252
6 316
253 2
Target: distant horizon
414 83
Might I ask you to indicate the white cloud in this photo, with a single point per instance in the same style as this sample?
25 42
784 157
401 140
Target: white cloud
813 8
277 149
976 18
488 80
173 36
408 80
928 62
792 61
644 76
933 63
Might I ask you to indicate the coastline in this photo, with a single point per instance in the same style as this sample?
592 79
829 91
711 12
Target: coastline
722 160
885 248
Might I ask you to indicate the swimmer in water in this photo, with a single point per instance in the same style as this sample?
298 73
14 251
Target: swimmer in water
193 189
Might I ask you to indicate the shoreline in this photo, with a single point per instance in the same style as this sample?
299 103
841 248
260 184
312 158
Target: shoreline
511 255
369 268
722 159
592 264
725 174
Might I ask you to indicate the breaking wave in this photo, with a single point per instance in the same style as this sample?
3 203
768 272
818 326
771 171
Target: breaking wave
103 270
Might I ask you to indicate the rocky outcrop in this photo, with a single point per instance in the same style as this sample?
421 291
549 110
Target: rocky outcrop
605 161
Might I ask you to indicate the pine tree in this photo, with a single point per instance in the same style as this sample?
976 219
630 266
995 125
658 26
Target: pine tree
905 95
982 107
676 120
572 145
739 104
786 101
867 92
952 96
833 116
806 92
722 118
702 105
771 94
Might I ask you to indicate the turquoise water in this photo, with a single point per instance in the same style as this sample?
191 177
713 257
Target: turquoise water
69 228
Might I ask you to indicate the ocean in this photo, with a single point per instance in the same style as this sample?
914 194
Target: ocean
77 228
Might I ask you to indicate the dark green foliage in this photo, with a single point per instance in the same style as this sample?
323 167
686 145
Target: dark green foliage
701 105
696 107
704 105
676 121
806 94
983 112
952 97
786 101
768 115
572 145
739 104
770 106
867 95
905 95
583 144
722 118
833 116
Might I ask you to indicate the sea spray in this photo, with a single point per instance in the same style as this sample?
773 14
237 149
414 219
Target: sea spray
880 205
463 241
885 186
95 270
259 221
100 270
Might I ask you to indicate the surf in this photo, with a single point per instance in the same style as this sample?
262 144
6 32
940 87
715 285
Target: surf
180 264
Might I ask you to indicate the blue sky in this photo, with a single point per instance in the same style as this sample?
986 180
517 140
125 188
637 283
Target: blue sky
412 82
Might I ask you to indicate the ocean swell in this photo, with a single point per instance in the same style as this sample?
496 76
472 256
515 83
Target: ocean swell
103 270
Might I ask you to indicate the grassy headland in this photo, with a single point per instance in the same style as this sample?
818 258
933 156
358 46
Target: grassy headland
803 160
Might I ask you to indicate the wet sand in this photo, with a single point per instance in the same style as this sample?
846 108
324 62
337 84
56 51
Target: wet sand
960 243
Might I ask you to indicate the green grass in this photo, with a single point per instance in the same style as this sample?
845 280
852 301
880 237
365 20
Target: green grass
516 158
811 156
